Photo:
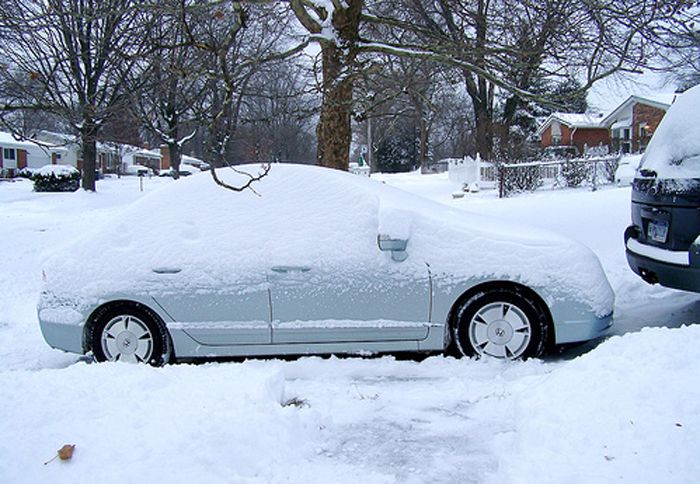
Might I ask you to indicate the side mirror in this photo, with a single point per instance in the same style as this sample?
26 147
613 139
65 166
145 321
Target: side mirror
396 246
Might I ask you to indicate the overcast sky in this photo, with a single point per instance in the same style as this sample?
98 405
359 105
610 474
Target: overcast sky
609 93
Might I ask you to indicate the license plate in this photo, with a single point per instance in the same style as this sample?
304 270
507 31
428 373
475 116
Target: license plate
657 230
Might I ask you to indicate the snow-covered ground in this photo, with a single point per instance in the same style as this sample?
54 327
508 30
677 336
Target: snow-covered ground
627 410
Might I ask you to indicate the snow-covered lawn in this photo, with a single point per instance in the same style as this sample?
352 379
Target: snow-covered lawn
626 410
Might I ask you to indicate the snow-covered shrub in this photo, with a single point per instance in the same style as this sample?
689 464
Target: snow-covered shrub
575 173
56 178
514 178
26 173
610 166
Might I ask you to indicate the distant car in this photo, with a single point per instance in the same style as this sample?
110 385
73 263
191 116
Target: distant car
185 170
316 261
663 242
137 170
627 170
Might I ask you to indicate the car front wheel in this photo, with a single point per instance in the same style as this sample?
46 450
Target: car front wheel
129 335
501 323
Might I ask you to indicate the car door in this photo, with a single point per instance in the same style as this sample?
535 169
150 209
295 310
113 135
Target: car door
214 312
371 300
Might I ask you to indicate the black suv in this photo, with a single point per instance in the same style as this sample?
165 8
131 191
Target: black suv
663 242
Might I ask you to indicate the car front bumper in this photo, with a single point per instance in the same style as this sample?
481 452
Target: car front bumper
61 324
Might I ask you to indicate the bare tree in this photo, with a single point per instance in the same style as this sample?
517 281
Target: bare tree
276 116
503 48
234 40
77 55
169 83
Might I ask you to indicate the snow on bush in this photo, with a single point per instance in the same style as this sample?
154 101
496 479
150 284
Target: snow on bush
674 150
56 178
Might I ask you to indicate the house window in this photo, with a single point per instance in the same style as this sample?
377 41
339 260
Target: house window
643 130
9 154
626 134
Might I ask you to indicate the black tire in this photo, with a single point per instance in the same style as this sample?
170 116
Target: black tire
501 323
153 348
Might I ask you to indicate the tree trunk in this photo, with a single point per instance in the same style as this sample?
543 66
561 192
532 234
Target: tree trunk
423 146
175 158
88 142
334 129
174 148
484 128
509 110
338 64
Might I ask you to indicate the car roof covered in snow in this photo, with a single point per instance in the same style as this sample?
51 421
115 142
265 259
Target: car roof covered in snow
307 215
674 150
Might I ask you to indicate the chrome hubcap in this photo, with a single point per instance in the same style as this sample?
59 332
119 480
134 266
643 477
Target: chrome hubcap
127 338
501 330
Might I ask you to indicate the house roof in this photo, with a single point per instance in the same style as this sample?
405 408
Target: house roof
657 102
136 151
65 140
573 120
8 139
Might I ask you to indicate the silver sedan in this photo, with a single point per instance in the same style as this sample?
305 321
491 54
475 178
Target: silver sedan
316 261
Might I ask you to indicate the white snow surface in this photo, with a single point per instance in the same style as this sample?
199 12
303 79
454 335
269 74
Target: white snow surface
674 150
627 410
309 216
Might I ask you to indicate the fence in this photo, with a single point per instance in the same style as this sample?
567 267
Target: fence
593 171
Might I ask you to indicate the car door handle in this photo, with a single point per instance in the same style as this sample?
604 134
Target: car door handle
166 270
288 269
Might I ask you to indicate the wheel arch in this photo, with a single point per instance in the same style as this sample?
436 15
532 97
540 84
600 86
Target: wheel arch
116 304
484 287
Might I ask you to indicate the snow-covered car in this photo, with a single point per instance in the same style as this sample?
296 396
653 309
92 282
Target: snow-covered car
627 170
137 170
185 170
663 242
316 261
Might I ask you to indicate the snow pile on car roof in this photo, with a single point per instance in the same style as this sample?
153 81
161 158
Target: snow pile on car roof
674 150
309 216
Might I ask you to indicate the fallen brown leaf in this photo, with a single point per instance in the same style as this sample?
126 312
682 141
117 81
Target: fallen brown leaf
66 452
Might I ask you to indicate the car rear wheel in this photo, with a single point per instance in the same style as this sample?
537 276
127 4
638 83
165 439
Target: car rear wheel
130 335
501 323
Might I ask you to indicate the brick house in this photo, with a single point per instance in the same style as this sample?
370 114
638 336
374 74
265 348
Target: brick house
583 131
633 123
13 154
627 129
16 155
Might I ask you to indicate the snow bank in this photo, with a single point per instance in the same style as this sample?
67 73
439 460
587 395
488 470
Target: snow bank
674 150
629 410
143 424
310 216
